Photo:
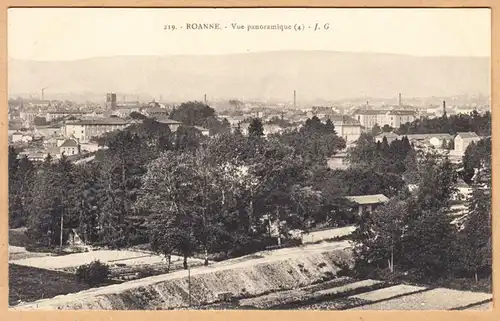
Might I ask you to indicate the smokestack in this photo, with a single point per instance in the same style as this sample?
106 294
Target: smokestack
399 99
294 98
205 99
444 107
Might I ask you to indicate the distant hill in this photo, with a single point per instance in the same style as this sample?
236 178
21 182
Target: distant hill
267 75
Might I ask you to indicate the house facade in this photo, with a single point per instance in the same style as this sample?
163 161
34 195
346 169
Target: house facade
463 140
346 127
84 130
172 124
69 147
394 118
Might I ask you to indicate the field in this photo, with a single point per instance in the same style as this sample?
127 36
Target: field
124 265
29 284
349 294
35 276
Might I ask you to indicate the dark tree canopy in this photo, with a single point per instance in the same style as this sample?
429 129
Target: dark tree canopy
475 122
256 129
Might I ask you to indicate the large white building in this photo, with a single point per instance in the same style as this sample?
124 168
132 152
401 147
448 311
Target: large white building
84 130
347 127
463 140
394 118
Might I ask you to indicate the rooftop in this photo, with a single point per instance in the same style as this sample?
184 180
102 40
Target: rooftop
69 112
468 135
402 112
343 119
156 110
425 136
99 121
368 199
69 143
369 112
387 135
200 128
166 120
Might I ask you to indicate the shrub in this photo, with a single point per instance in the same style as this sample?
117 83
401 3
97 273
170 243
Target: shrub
146 272
94 273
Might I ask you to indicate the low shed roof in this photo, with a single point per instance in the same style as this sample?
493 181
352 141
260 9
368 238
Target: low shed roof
368 199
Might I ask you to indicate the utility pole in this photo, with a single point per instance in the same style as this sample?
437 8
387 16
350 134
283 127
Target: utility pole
62 228
189 285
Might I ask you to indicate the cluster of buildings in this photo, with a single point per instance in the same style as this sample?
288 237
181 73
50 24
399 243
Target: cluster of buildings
455 145
81 123
57 128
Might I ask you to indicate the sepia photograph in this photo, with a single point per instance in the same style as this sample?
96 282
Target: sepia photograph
249 159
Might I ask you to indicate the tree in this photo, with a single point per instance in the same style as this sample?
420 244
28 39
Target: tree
376 130
481 124
379 241
476 246
329 127
226 126
428 246
475 155
255 129
190 215
476 238
414 231
315 141
40 121
187 138
136 115
194 113
387 129
21 176
44 208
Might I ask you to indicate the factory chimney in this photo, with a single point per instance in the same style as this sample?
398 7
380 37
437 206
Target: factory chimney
444 108
399 101
294 99
205 99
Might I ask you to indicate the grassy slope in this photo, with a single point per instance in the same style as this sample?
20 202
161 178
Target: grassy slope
30 284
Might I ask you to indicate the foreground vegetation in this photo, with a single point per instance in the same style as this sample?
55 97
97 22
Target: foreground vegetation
29 284
230 195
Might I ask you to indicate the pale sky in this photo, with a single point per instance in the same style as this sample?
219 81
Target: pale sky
76 33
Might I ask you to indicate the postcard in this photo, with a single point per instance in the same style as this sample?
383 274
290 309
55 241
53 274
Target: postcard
249 159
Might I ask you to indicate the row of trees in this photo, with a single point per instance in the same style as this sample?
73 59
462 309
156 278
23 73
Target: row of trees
199 114
475 122
414 231
181 191
234 194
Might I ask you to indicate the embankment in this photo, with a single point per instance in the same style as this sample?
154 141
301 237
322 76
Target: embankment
281 270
